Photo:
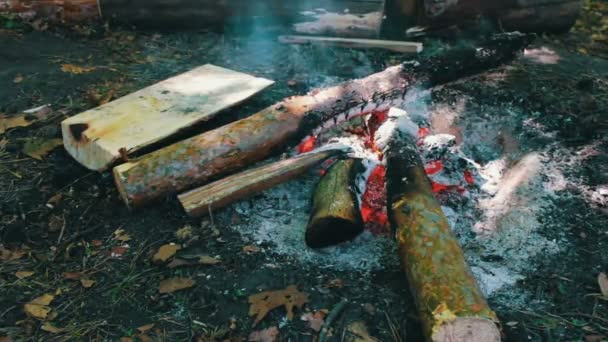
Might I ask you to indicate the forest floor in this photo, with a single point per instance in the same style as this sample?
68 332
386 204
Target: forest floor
76 264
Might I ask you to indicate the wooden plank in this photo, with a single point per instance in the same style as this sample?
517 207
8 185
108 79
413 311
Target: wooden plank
392 45
99 137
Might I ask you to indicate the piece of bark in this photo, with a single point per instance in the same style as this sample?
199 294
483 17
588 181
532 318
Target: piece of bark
335 215
355 43
211 155
100 136
451 304
203 200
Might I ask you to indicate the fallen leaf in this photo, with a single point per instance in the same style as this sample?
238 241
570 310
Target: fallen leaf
184 233
602 280
18 79
8 255
315 320
96 243
56 223
267 335
144 338
38 307
51 328
165 252
358 333
145 328
118 251
72 275
7 123
24 274
178 262
208 260
264 302
38 147
251 249
121 235
175 284
126 339
55 199
87 283
75 69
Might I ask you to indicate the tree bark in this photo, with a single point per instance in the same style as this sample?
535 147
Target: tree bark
452 307
219 152
203 200
335 216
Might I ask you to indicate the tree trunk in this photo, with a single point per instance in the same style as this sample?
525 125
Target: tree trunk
335 215
452 307
219 152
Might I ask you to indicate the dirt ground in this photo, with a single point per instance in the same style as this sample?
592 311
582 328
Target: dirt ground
65 232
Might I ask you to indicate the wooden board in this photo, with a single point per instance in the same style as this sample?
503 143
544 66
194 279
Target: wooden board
392 45
100 136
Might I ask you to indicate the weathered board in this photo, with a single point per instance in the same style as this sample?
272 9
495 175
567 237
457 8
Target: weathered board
100 136
356 43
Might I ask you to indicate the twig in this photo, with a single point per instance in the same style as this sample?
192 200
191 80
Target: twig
335 312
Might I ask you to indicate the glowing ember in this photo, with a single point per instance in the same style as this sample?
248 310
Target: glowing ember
373 206
468 177
439 188
308 144
433 167
423 132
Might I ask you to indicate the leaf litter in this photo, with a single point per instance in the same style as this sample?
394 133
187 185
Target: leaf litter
266 335
38 148
175 284
264 302
165 252
39 307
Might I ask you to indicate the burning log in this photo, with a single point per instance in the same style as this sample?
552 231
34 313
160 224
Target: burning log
335 216
201 201
217 153
451 305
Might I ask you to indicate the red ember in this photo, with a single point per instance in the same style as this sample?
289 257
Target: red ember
373 202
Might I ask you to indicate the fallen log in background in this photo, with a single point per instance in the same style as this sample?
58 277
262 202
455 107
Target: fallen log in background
102 135
391 45
219 152
335 215
203 200
451 304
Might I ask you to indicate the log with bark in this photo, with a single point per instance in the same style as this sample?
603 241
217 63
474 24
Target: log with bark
217 153
203 200
335 216
451 304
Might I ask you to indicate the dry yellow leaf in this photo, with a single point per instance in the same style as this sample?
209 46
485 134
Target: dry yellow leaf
262 303
8 255
51 328
7 123
38 307
121 235
602 280
165 252
23 274
72 275
251 249
87 283
38 148
145 328
75 69
175 284
208 260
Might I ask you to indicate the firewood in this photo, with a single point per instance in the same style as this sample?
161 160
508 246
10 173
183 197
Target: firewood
392 45
211 155
335 215
100 136
203 200
451 304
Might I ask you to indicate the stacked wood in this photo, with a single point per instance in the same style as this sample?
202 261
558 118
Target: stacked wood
100 136
217 153
335 216
203 200
452 307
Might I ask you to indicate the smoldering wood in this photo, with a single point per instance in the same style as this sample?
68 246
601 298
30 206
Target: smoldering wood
451 304
335 216
220 152
357 43
203 200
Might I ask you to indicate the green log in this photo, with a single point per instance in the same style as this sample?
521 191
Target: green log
335 216
451 304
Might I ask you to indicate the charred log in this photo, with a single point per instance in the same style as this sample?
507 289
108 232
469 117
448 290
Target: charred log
222 151
335 216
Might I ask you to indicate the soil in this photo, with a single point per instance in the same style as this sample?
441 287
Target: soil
551 101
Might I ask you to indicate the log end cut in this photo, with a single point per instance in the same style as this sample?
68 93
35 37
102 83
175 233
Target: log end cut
467 329
79 145
330 231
